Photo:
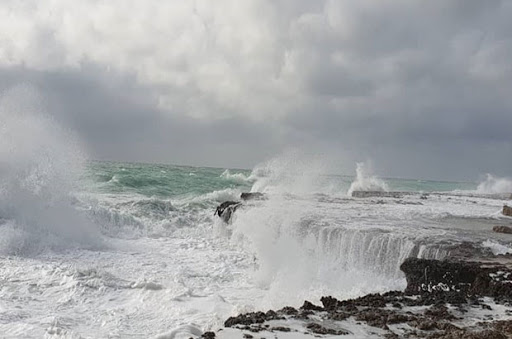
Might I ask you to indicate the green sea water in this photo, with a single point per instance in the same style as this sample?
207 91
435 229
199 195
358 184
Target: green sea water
172 181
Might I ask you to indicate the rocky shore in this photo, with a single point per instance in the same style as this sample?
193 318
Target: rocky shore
467 295
443 300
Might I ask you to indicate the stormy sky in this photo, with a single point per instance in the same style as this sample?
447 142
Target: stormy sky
423 89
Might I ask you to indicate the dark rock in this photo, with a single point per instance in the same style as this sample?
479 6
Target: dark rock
246 319
374 317
208 335
319 329
226 210
381 194
329 303
308 306
281 329
248 336
439 312
288 311
252 196
426 325
431 275
502 229
507 210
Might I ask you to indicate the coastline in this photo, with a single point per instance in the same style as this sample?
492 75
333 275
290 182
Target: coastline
451 298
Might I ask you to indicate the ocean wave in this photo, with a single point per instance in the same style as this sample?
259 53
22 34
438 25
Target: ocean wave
496 247
494 185
238 177
40 163
365 181
298 174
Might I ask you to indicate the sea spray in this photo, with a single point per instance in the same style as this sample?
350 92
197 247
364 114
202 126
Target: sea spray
366 181
237 177
494 185
296 173
39 165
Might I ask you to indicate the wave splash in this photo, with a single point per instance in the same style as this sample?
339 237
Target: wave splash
494 185
366 181
40 162
238 177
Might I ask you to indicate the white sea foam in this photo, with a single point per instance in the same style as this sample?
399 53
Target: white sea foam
366 181
239 177
295 173
496 247
494 185
39 164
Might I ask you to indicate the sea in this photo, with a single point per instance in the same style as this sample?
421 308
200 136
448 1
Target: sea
97 249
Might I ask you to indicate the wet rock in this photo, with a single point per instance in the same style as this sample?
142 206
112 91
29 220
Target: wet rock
502 229
426 325
308 306
329 303
288 311
381 194
280 329
424 275
439 312
507 210
319 329
226 210
246 319
252 196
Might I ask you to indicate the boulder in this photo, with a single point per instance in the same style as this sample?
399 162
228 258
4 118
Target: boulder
379 194
455 280
502 229
424 275
252 196
507 210
226 209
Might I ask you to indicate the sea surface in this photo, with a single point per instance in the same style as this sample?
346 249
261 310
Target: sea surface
122 250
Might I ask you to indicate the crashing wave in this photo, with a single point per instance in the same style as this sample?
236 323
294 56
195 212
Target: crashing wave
494 185
365 181
40 163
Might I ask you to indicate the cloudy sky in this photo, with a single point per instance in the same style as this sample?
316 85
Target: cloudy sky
421 88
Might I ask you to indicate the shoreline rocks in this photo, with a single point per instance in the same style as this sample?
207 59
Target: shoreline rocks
438 296
502 229
227 208
507 210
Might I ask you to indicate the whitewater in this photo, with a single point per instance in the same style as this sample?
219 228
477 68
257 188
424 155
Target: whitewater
93 249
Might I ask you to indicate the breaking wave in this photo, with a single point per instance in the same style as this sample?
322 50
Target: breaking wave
366 181
494 185
239 177
40 163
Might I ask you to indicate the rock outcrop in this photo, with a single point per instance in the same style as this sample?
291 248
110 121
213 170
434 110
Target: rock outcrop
227 208
252 196
445 290
502 229
507 210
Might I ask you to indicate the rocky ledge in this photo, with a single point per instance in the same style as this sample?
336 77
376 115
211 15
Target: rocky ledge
443 299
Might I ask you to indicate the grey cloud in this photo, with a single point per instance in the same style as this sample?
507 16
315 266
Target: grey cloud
420 87
119 120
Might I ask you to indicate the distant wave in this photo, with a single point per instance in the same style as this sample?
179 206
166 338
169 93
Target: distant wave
494 185
240 177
